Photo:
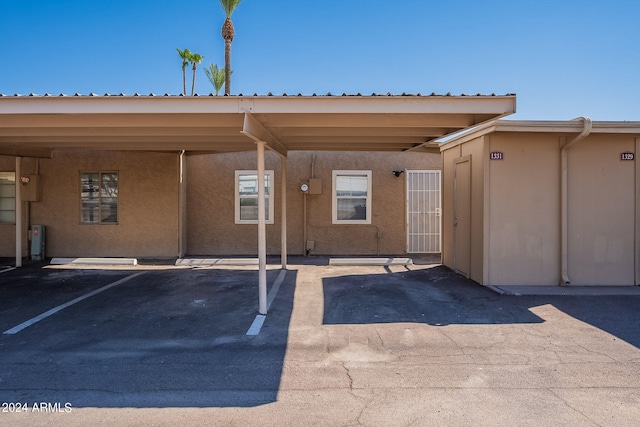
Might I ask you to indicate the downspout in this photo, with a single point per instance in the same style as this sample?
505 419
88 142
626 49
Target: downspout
564 178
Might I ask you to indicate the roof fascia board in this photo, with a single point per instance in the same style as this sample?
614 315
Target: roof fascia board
455 140
256 131
384 105
542 126
43 153
499 105
567 126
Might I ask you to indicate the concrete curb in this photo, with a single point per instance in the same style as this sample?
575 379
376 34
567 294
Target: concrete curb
94 261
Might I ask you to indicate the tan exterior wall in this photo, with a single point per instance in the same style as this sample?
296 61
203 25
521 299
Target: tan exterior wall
602 212
524 210
147 205
448 158
518 220
474 150
211 203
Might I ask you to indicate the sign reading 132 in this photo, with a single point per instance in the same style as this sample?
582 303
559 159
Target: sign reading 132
627 156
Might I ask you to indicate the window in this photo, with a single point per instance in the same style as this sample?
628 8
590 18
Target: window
247 197
7 197
99 196
352 197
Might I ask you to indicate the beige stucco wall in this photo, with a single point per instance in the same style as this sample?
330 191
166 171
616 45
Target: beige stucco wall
448 158
147 203
524 210
518 222
211 203
602 211
474 150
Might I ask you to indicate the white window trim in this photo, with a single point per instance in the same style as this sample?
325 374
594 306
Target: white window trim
100 203
334 198
239 173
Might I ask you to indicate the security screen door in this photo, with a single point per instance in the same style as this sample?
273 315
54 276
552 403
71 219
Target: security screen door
423 211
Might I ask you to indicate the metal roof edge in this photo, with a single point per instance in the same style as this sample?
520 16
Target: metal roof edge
498 106
255 95
542 126
566 126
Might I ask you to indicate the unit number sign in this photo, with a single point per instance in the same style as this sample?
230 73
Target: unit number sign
627 156
496 155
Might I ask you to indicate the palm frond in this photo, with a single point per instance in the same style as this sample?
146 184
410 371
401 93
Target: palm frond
229 6
216 76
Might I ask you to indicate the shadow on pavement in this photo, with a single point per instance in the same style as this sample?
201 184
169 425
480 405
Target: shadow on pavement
438 296
434 296
619 315
161 340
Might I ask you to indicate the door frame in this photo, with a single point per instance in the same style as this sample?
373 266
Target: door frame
458 239
437 211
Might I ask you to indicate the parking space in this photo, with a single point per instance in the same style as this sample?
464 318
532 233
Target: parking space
29 292
150 301
156 329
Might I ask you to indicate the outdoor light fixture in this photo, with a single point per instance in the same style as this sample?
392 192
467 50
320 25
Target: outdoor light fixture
398 173
25 179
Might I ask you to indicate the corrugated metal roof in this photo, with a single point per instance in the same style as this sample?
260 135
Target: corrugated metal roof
34 124
328 94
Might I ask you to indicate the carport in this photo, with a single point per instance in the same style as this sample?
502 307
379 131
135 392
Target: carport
36 126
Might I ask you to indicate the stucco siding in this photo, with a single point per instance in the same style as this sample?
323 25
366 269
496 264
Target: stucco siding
524 224
147 205
476 150
448 158
211 200
521 208
601 211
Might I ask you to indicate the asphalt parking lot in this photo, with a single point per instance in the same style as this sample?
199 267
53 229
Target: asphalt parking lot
155 344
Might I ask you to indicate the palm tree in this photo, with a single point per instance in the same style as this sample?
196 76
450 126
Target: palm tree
185 55
228 33
195 59
216 76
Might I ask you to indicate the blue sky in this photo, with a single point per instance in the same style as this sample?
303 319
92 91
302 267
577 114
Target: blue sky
562 58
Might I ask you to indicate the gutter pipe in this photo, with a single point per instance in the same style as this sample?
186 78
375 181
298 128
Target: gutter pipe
564 194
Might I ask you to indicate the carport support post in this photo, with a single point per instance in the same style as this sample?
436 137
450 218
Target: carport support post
18 212
262 234
283 217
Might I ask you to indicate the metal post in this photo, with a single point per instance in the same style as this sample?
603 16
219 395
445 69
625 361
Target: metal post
283 217
182 206
262 233
18 212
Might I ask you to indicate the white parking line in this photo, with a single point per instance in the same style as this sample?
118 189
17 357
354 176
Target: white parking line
53 311
4 270
256 326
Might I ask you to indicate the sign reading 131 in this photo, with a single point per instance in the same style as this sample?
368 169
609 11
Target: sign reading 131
496 155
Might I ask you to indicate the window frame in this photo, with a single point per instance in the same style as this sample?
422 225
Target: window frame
335 197
268 195
15 201
100 203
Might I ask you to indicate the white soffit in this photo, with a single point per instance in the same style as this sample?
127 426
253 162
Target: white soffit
35 124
